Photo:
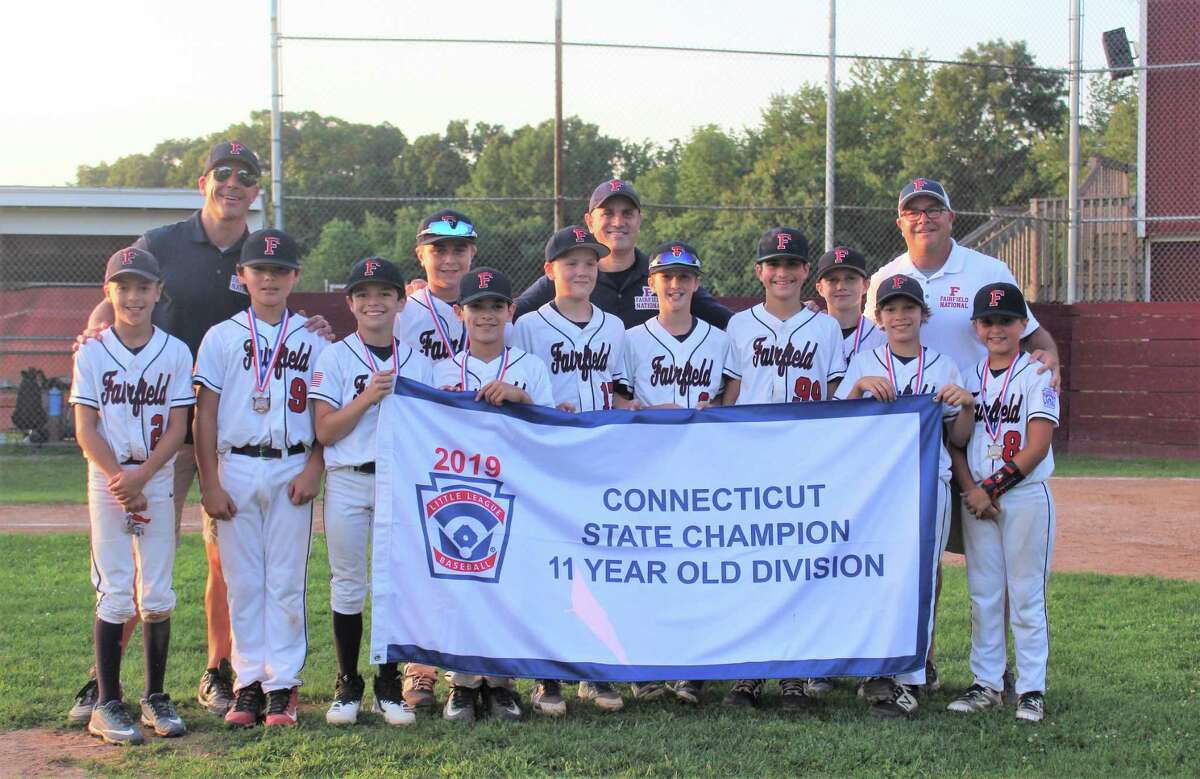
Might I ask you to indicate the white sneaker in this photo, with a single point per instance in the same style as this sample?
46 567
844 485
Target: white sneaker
976 698
1031 707
389 702
347 700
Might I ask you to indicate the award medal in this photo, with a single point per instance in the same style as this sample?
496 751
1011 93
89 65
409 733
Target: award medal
995 450
887 351
499 373
260 401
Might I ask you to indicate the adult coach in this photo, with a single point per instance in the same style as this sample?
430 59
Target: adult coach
951 274
198 258
614 217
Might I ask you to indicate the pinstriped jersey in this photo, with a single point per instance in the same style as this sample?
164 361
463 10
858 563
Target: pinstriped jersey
584 362
869 336
786 361
662 369
523 371
341 376
1028 396
225 365
133 393
938 371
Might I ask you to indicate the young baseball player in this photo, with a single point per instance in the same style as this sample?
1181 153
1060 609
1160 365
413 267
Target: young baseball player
496 374
785 353
260 468
584 350
131 393
445 248
351 378
676 360
1009 535
902 366
842 282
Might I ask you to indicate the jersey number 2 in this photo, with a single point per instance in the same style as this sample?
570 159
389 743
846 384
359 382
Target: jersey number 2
156 430
298 396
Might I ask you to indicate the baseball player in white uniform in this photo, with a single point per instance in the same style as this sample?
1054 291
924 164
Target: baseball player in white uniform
582 346
259 471
785 352
445 248
1009 519
351 378
902 366
496 374
842 282
676 360
131 393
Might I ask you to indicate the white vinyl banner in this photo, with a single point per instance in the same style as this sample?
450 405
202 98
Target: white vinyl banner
787 540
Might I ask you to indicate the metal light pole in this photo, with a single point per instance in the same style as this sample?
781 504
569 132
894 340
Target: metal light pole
558 131
1076 24
276 123
830 133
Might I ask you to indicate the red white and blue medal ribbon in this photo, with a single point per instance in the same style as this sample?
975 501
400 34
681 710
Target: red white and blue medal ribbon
857 335
374 366
441 331
994 433
887 351
262 374
463 368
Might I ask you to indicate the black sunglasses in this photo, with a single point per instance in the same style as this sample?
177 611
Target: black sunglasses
244 177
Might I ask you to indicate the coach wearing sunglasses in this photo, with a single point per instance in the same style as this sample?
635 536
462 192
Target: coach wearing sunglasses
199 257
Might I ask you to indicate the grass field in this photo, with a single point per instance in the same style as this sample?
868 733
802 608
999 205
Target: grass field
1123 698
58 474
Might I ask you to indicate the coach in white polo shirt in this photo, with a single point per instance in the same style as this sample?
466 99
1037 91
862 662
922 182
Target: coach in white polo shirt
951 275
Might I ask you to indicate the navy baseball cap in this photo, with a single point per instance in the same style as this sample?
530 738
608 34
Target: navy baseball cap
270 247
610 189
842 257
783 243
674 254
928 187
573 237
900 286
999 299
376 270
133 260
483 283
232 151
446 224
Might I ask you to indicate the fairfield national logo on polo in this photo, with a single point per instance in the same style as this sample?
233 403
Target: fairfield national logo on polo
466 522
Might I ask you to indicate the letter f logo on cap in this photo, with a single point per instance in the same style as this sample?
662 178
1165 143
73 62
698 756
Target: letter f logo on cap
615 185
270 244
676 250
897 282
918 185
371 267
580 234
840 254
236 148
782 240
996 295
485 279
127 256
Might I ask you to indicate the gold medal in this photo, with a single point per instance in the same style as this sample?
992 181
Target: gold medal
260 403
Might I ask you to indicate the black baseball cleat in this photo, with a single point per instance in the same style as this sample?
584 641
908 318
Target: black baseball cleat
744 693
793 698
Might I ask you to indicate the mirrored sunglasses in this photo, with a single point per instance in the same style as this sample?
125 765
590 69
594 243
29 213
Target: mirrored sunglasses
458 229
244 177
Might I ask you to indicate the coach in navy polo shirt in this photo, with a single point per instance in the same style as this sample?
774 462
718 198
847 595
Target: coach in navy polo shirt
198 258
622 287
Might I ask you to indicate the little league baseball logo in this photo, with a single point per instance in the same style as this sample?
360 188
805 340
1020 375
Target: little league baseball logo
465 521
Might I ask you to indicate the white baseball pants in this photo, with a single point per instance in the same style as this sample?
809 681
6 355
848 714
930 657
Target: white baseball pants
349 512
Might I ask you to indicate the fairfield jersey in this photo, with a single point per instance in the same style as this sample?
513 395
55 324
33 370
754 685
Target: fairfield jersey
134 393
785 361
663 369
341 375
428 324
584 362
225 364
1027 396
909 378
464 373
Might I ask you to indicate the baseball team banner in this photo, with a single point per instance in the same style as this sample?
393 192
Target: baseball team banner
753 541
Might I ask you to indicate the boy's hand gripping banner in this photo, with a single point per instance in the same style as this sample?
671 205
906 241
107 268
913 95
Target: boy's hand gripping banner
790 540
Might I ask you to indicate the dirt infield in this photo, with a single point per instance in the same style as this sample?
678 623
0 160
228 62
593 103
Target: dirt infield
1121 526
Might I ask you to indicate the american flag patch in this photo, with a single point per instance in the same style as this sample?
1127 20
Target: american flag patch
1049 398
316 380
